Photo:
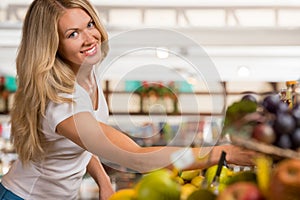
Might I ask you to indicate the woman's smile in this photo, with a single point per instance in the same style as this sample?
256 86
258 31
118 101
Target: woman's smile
91 51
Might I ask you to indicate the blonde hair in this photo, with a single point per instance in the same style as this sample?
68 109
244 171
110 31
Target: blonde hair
41 74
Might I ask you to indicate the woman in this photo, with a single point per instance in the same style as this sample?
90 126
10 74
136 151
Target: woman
59 115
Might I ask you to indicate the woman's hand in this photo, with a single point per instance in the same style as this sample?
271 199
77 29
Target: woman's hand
238 155
96 170
105 190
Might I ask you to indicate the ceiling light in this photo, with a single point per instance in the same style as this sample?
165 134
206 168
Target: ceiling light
243 71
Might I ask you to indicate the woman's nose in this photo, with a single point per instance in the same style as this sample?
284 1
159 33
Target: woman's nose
88 37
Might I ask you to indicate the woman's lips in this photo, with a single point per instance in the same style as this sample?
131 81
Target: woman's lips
90 52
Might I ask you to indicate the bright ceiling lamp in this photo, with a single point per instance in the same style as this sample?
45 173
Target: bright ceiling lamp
243 71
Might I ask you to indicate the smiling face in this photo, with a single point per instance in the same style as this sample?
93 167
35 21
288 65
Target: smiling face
79 39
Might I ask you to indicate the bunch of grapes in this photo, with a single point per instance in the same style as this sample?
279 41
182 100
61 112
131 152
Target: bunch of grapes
281 124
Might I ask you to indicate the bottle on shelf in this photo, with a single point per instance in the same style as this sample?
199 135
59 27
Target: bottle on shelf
291 97
297 93
282 95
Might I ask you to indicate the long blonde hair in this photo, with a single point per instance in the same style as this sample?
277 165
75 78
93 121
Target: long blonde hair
41 74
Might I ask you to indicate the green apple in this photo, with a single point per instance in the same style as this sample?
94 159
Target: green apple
202 194
158 185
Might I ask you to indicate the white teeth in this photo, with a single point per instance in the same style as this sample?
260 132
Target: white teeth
91 50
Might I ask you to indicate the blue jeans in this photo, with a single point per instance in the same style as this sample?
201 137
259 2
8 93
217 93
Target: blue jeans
5 194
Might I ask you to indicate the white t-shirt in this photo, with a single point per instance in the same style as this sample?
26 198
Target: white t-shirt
59 175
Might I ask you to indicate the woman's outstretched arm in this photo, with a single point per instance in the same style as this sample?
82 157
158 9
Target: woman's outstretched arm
113 145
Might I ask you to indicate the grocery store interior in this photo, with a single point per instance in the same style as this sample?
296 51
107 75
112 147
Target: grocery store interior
246 46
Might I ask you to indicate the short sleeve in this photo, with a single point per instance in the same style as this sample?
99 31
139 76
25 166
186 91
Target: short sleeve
57 112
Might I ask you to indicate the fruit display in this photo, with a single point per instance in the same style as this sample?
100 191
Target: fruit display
267 181
270 126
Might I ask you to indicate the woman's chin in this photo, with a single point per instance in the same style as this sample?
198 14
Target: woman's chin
92 60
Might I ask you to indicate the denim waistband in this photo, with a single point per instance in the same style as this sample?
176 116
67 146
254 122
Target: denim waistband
5 194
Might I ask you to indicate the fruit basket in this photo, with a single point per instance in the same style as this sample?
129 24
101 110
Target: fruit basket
271 126
271 150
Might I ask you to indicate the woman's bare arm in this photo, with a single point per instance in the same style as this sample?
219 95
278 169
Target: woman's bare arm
111 144
98 173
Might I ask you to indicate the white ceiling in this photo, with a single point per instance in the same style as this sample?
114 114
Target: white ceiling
178 2
271 53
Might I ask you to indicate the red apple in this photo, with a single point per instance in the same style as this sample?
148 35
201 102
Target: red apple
264 133
241 191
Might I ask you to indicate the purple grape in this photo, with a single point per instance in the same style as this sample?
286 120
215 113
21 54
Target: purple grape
295 138
271 102
284 142
284 124
296 114
282 107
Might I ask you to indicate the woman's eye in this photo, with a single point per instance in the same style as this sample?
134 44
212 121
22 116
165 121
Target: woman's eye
73 34
91 24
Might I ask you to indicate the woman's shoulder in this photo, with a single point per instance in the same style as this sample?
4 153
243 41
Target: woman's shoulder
57 112
79 101
79 92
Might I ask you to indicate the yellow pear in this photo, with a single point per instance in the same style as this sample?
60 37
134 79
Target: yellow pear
197 181
190 174
124 194
186 190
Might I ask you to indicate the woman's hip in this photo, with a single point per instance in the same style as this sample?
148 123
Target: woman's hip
6 194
